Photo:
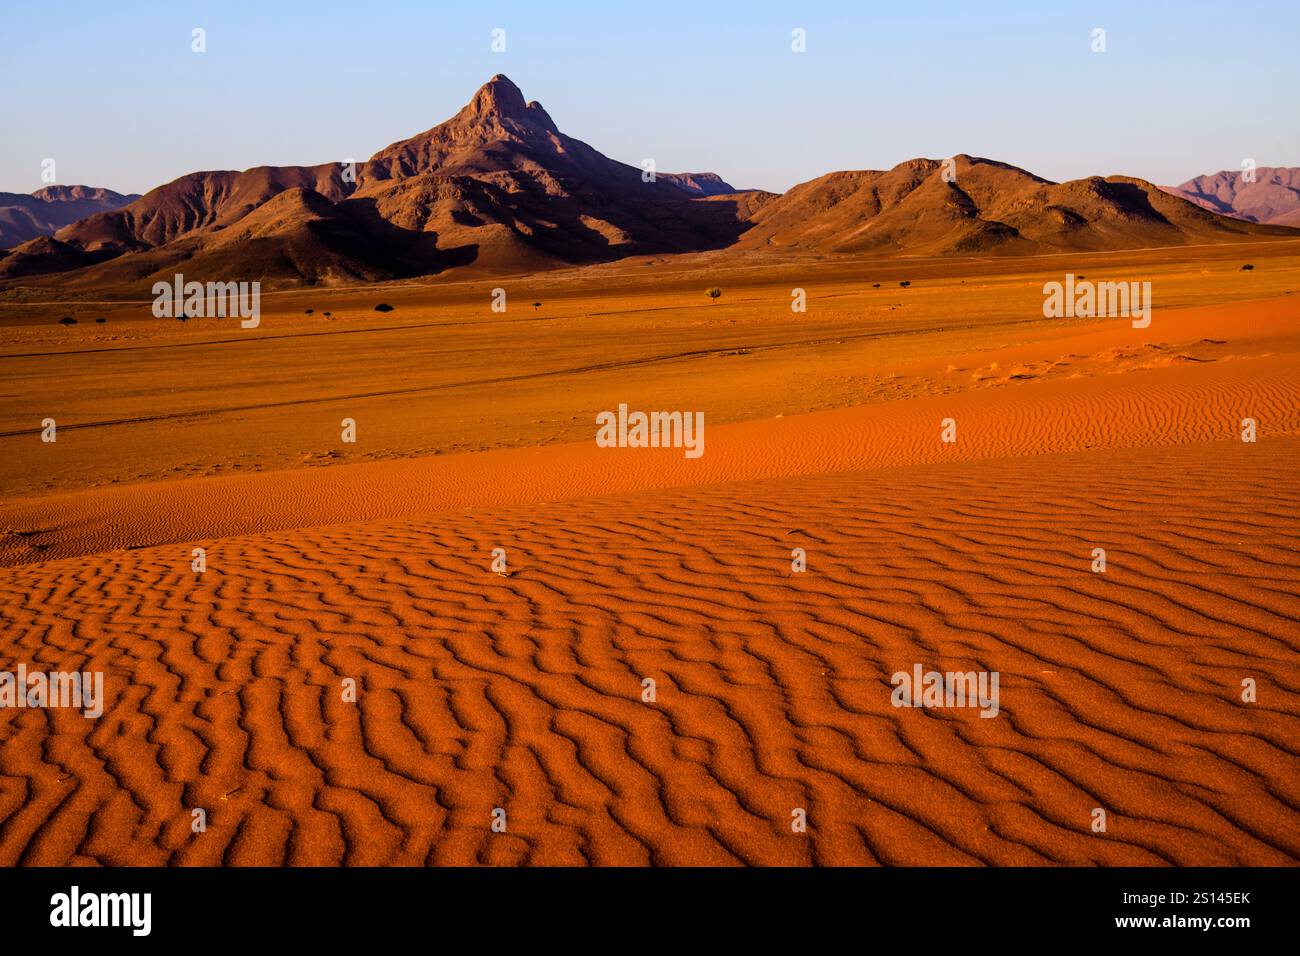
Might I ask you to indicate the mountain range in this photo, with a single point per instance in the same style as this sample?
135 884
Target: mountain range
974 206
498 189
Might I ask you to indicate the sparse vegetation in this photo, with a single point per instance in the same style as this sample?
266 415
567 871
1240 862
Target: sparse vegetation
328 314
536 306
1248 267
310 311
101 320
67 320
875 285
381 307
905 283
714 293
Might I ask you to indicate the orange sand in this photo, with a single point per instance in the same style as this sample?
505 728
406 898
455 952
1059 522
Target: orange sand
523 690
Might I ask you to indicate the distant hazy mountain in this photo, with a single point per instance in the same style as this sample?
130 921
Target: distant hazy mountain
46 211
1273 197
700 184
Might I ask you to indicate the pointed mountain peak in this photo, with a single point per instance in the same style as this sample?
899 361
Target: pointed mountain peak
495 119
498 98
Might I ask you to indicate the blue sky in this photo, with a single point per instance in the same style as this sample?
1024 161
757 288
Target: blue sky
114 94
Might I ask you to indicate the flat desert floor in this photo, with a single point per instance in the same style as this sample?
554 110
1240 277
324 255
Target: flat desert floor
518 696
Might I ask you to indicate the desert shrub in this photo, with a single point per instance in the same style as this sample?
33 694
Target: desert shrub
381 307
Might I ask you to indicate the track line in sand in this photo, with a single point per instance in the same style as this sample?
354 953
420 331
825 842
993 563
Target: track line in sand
468 383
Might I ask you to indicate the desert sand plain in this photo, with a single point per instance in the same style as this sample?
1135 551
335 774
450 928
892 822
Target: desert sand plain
523 691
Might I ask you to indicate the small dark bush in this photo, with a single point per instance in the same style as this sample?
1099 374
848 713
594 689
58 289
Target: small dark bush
100 321
67 320
1247 267
905 283
311 312
381 307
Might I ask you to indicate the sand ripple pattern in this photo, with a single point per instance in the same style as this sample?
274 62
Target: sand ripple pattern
476 690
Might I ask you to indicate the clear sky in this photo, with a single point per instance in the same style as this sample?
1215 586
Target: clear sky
112 92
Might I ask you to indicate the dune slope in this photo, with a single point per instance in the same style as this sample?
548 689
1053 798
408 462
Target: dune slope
523 691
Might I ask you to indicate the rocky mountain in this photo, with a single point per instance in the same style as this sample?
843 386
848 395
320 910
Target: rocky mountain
46 211
497 188
700 184
1272 195
979 206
